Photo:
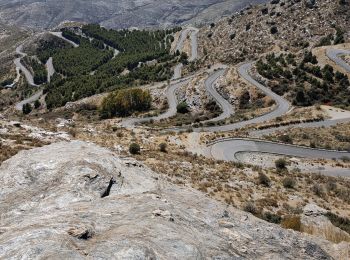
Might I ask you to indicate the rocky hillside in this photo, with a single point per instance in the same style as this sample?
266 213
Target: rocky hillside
278 26
77 200
116 14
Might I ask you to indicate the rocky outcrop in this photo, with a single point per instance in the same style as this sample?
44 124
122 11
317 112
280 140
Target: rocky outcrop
315 222
77 200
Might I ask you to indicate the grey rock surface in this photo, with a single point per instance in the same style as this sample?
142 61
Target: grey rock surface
75 200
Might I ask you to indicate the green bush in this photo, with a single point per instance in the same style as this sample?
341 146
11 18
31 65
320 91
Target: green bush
264 180
289 183
281 164
37 104
163 147
251 208
318 190
272 218
182 108
26 109
286 139
134 148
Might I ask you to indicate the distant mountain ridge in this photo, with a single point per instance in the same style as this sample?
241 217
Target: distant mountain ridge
43 14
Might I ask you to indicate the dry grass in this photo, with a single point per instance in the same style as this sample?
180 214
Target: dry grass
18 142
336 137
292 222
233 183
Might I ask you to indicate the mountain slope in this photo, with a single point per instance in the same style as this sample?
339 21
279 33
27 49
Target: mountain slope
116 14
79 201
278 26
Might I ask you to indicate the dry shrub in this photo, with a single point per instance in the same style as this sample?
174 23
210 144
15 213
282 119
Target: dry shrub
291 222
267 202
251 208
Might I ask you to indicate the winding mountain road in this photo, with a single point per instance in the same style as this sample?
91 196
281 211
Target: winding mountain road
29 100
226 107
180 45
28 75
59 35
176 83
29 78
227 149
282 105
194 44
172 103
334 55
324 123
50 69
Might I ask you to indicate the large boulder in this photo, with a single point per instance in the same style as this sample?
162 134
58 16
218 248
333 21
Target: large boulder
75 200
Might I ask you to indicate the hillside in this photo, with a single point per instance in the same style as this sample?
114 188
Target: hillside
278 26
116 14
85 203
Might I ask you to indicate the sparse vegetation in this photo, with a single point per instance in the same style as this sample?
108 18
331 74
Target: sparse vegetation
264 180
281 164
303 81
182 108
163 147
134 148
251 208
289 183
26 109
340 222
318 190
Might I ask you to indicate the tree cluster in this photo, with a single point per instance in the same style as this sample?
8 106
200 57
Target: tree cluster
131 40
46 48
81 60
125 102
38 69
304 81
129 68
